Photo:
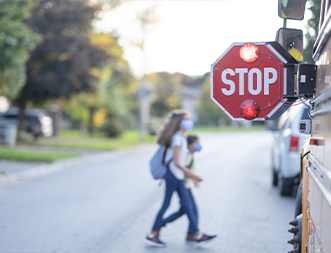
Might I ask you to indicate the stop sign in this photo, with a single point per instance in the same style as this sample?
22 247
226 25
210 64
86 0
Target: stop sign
247 80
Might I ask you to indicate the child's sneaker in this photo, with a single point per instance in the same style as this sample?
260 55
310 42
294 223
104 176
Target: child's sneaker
190 238
203 239
154 240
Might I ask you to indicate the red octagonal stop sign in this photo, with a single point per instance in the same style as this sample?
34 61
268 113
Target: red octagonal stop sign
249 76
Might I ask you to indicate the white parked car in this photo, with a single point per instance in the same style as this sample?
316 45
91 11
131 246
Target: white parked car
36 121
286 148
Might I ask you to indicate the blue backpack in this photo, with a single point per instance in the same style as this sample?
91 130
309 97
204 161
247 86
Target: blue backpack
157 164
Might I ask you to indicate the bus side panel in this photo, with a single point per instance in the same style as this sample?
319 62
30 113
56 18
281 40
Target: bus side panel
315 199
305 178
319 195
326 225
327 136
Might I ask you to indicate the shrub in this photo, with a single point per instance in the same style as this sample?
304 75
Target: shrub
113 127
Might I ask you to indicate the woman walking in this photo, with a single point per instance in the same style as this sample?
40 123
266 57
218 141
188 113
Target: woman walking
172 135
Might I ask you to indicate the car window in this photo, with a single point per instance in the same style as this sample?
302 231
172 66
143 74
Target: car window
10 116
282 121
27 117
294 110
305 114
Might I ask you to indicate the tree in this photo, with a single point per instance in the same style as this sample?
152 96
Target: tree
115 79
16 42
166 96
147 20
115 96
312 29
61 64
116 92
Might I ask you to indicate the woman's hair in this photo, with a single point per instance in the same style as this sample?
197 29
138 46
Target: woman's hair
170 126
191 139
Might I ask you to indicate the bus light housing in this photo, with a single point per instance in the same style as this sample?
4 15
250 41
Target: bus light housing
249 109
249 52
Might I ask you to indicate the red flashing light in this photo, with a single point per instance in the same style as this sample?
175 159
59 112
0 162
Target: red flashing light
249 52
294 144
249 109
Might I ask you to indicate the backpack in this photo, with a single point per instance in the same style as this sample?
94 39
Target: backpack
157 164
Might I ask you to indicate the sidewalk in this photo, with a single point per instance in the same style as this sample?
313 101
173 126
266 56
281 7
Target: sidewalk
12 172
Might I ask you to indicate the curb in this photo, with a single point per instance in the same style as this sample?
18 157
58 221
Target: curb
46 169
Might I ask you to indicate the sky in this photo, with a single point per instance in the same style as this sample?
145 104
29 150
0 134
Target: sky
191 35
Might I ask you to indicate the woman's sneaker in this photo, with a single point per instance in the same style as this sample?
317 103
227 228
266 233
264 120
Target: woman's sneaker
158 231
154 240
203 239
190 238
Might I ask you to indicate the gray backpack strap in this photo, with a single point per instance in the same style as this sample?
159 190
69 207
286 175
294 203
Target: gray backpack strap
191 163
164 155
164 158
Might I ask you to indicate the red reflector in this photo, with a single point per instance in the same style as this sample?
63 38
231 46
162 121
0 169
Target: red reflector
316 142
294 144
249 109
249 52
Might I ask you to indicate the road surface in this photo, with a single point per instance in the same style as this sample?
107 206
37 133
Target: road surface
110 205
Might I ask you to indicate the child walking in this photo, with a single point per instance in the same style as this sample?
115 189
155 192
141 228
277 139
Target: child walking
193 144
172 135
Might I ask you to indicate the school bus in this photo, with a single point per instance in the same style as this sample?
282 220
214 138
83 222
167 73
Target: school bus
303 82
312 224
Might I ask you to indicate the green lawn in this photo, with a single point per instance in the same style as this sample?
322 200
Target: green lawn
70 138
74 139
16 154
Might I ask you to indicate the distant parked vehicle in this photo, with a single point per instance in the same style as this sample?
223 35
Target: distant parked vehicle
36 121
286 149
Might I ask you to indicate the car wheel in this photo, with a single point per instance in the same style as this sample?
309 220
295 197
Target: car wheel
286 186
297 212
274 178
36 136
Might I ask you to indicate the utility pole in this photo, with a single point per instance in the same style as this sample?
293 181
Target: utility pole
146 19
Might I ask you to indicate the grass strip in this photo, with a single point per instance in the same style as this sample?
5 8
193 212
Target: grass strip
86 143
69 138
7 153
74 139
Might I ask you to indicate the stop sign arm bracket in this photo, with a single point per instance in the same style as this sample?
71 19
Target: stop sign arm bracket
280 108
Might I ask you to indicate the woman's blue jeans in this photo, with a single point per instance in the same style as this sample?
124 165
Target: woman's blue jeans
173 184
181 211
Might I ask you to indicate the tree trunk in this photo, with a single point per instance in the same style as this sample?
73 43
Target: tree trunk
56 115
21 107
91 121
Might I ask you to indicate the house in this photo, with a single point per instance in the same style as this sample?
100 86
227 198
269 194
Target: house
189 97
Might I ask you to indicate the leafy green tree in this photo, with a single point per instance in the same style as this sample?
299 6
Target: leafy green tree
16 42
61 64
166 96
312 27
114 100
116 90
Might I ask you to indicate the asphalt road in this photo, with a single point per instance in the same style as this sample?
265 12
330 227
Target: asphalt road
109 205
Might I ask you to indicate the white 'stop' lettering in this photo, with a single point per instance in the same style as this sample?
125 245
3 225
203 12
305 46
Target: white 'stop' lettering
269 77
